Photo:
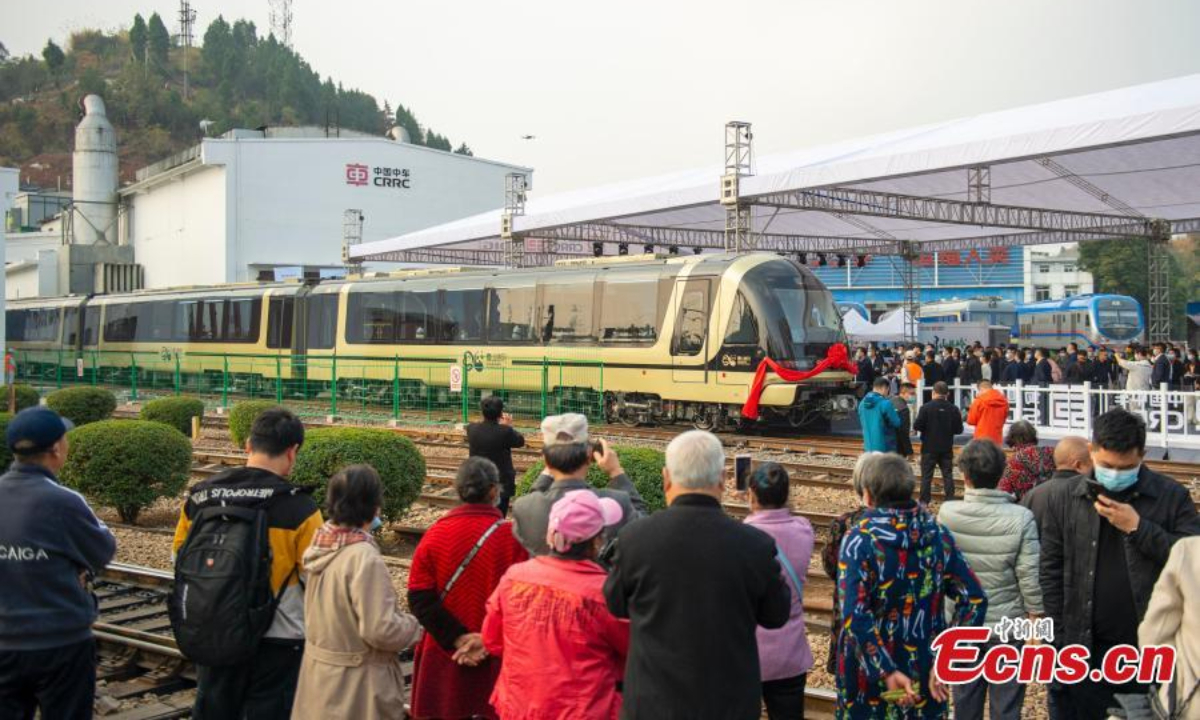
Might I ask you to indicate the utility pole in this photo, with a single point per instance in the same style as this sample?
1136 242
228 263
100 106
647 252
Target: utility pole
187 21
281 21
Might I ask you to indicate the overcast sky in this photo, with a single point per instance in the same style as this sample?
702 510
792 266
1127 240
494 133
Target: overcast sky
629 88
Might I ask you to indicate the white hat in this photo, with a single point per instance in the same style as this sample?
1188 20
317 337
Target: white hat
564 429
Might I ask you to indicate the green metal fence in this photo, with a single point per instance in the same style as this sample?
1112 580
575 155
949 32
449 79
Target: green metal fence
415 390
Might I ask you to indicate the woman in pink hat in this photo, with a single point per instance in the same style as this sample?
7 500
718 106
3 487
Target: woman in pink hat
562 652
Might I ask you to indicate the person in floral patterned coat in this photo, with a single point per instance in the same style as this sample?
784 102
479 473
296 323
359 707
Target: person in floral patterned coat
1029 465
897 568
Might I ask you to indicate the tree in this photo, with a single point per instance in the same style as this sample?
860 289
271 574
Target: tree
54 57
408 121
464 149
138 38
3 53
437 142
1120 267
159 42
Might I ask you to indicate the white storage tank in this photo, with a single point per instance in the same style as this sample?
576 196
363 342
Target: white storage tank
94 175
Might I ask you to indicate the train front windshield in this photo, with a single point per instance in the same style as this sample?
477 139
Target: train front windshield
796 310
1118 319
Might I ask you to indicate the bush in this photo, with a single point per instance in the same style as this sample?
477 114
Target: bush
327 450
242 417
82 405
174 411
27 397
127 464
6 456
643 466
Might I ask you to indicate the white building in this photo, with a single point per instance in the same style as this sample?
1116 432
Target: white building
9 181
1052 272
237 208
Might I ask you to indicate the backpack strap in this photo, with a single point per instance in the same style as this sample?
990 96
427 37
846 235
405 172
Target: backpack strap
470 556
791 572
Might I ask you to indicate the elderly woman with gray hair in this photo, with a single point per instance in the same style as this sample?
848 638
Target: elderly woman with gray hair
999 538
897 570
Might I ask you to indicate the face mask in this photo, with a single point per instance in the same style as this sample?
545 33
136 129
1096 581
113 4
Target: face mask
376 524
1171 356
1117 480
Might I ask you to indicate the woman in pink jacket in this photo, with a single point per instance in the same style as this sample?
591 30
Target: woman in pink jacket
783 654
562 653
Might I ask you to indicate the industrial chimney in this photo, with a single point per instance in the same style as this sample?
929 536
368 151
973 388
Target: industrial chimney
94 176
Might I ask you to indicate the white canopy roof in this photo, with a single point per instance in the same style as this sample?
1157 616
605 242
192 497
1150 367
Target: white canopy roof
890 327
1095 166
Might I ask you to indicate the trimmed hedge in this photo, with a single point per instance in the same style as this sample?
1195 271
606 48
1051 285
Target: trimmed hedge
6 456
242 417
27 397
643 466
127 464
395 457
82 405
174 411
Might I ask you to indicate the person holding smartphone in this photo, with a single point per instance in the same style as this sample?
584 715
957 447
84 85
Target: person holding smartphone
1105 540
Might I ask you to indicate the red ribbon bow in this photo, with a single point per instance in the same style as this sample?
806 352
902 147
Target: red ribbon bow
837 358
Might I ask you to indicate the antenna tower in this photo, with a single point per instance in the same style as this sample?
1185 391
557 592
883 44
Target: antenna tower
281 21
187 22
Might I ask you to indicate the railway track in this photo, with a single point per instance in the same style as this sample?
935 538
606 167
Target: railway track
140 662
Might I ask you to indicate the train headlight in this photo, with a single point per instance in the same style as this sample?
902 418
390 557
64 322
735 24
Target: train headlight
844 403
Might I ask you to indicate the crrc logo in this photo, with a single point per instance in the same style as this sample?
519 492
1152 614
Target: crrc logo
356 174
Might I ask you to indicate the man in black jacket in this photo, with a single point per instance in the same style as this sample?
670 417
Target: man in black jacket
866 369
950 365
1103 547
1104 370
51 544
495 439
938 421
1164 368
695 584
1012 368
1071 459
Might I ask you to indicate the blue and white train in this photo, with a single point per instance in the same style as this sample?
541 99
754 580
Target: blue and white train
1088 320
991 310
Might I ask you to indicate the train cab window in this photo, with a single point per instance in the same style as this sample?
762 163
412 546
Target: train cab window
321 325
460 316
280 311
242 318
629 312
511 315
91 326
743 326
567 312
691 321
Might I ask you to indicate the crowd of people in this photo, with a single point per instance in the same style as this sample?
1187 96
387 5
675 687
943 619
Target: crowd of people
585 605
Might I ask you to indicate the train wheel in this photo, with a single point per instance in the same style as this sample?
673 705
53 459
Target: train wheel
709 420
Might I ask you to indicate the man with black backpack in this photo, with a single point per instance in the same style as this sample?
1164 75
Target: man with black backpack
237 607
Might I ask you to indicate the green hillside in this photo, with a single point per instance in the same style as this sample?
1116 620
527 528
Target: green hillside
236 79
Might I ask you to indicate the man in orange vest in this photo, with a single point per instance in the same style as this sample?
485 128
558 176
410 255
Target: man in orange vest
988 413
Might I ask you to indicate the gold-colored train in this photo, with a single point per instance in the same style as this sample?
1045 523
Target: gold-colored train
678 338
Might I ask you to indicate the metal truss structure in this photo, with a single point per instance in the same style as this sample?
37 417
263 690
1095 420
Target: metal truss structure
1003 226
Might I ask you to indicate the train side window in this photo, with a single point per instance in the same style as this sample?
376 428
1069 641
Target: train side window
199 320
417 317
280 312
511 313
567 312
461 316
629 312
743 326
242 318
70 326
14 325
91 326
158 324
120 322
691 322
371 317
321 328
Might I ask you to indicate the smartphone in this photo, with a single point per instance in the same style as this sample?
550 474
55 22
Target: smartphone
595 447
741 472
1094 490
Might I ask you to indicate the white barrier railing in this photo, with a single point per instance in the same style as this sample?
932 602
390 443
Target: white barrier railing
1172 416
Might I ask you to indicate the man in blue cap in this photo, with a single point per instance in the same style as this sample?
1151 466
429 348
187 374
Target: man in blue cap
51 543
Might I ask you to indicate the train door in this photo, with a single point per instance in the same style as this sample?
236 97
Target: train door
689 344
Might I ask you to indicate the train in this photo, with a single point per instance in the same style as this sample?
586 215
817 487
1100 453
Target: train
1090 320
679 338
991 310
